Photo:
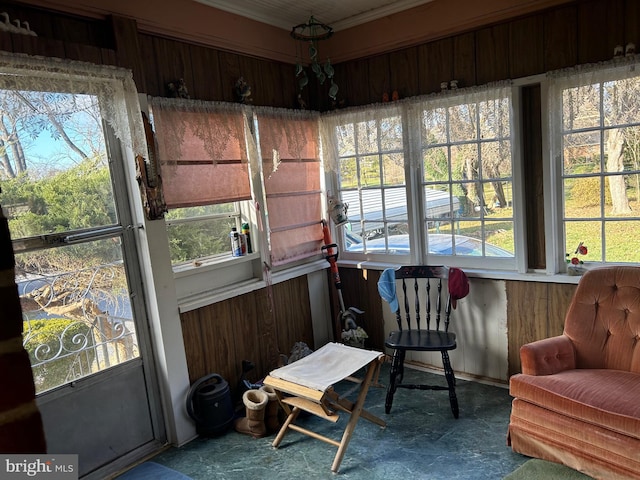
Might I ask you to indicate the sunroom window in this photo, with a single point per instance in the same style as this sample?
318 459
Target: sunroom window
428 178
203 154
596 136
467 180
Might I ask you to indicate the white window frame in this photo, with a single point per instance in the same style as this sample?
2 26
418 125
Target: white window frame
553 86
414 191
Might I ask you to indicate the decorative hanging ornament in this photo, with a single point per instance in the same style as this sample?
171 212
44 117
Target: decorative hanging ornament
312 32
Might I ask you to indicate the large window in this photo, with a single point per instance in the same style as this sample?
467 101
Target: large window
203 153
428 178
372 183
467 180
596 136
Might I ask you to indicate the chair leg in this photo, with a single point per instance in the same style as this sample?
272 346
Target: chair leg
451 382
395 377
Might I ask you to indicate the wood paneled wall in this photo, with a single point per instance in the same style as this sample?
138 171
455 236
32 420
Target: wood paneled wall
220 336
257 326
534 310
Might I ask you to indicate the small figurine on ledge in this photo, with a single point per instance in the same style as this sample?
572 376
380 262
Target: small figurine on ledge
178 89
243 91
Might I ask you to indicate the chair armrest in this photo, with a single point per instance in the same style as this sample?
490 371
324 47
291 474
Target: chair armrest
548 356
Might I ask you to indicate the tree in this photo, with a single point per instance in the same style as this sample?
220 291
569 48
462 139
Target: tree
24 116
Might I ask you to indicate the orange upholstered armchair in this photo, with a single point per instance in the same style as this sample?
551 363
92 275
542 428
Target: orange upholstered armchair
577 400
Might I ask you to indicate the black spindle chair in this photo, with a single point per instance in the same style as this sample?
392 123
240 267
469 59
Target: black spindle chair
424 327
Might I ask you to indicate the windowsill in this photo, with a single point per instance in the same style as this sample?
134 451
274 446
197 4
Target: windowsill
534 276
210 264
204 297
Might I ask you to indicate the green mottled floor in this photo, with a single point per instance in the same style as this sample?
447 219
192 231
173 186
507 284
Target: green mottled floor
422 440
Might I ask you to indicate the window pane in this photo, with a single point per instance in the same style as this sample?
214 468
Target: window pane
52 183
589 233
393 168
494 119
464 161
496 159
439 203
620 101
77 314
581 153
367 136
622 149
434 130
370 171
346 140
619 239
463 122
436 164
198 239
582 197
348 173
391 134
581 107
499 241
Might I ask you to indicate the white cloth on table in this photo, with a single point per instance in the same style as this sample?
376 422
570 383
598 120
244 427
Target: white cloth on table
327 365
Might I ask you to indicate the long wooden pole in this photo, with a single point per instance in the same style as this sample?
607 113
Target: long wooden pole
21 429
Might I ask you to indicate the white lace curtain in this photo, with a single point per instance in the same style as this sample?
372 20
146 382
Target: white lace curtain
577 88
113 86
407 112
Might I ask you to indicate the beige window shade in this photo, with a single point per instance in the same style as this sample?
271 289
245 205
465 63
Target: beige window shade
202 151
291 165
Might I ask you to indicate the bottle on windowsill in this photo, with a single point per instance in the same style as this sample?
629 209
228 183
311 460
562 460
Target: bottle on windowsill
236 243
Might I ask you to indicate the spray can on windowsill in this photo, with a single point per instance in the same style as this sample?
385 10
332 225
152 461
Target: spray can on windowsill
247 236
236 243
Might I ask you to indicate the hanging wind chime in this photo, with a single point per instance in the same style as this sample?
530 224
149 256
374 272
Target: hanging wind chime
311 33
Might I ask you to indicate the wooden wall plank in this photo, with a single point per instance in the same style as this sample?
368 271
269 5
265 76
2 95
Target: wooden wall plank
464 59
173 60
531 116
435 64
218 341
492 53
250 71
357 81
205 72
560 38
599 29
360 290
632 23
403 72
268 329
125 34
77 30
229 74
292 313
152 81
24 44
527 46
193 347
379 80
246 336
527 308
288 86
85 53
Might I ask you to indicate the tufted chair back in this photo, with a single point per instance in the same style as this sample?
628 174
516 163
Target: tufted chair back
603 320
